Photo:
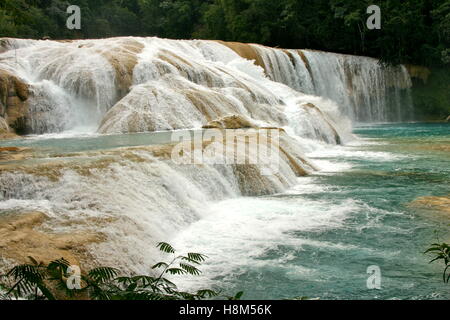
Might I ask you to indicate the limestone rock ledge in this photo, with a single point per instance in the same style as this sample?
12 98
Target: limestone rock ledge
14 93
14 153
22 235
5 131
231 122
441 204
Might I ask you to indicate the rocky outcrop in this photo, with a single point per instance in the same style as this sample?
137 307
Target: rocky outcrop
251 182
14 94
123 58
5 131
4 128
6 44
246 51
14 153
310 106
21 237
441 204
418 72
231 122
283 145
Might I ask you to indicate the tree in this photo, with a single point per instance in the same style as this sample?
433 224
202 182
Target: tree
412 31
170 18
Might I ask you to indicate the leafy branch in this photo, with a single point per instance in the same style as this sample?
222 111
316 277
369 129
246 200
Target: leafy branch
441 252
37 281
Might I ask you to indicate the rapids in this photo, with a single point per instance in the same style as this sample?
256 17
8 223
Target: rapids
100 117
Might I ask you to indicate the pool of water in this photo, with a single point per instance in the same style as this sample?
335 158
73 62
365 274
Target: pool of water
53 144
319 238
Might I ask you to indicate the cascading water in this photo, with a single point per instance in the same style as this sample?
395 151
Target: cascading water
368 91
136 196
365 90
71 84
150 84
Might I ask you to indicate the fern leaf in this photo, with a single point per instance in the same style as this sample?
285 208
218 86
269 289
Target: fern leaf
160 265
103 274
165 247
176 271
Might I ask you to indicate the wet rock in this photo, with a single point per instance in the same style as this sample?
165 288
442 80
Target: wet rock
441 204
4 128
246 51
14 94
252 182
5 44
123 58
14 153
311 107
231 122
21 237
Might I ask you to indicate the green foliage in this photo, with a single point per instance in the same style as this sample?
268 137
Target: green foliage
7 25
170 18
432 100
441 252
238 296
37 281
412 31
165 247
29 280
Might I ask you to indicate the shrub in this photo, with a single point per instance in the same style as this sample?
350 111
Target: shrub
38 281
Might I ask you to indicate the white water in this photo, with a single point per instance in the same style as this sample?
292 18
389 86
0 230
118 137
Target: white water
175 85
250 228
363 89
180 85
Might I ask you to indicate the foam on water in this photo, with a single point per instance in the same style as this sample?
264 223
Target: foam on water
12 205
307 185
174 85
239 232
183 85
353 151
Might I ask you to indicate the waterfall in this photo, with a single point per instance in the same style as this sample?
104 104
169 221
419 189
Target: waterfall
205 79
365 90
146 84
137 196
123 85
134 197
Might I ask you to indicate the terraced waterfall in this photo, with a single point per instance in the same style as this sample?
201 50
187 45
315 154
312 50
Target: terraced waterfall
93 178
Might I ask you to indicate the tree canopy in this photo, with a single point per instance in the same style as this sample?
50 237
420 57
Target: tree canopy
412 31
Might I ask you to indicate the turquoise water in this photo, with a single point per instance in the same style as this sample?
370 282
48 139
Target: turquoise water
54 144
318 239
